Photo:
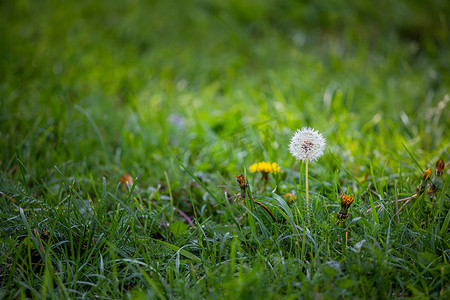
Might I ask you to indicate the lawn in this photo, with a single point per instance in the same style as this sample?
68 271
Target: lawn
125 127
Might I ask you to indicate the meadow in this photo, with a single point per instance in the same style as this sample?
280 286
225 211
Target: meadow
129 131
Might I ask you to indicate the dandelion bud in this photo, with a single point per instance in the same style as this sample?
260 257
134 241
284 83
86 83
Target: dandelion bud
242 185
426 176
440 165
346 201
436 183
423 184
127 181
290 198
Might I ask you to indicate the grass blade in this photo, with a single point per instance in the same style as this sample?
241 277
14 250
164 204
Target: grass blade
180 250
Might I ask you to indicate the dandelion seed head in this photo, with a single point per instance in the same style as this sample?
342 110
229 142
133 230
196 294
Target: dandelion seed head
307 144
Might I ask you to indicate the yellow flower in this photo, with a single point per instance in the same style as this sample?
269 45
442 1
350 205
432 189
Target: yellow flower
426 176
265 167
346 201
290 198
423 184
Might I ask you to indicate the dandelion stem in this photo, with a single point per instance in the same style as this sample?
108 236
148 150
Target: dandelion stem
307 192
265 207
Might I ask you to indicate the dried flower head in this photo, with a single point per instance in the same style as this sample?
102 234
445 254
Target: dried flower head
242 186
346 201
265 167
307 144
127 181
241 180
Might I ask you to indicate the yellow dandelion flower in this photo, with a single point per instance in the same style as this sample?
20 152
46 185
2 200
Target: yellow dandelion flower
346 201
276 168
253 168
290 198
265 167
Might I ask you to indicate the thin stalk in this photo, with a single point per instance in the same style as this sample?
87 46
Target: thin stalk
307 193
265 207
396 202
300 180
171 197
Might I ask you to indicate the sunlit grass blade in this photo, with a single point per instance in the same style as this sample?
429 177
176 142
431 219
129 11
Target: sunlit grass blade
413 159
372 204
180 250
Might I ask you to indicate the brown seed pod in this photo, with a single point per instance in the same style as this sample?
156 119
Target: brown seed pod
440 165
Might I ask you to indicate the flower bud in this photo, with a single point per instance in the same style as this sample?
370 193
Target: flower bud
346 201
440 165
127 181
426 175
242 184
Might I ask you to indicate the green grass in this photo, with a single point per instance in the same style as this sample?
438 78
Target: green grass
186 96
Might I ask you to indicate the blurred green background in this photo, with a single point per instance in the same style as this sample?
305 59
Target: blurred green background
90 90
105 87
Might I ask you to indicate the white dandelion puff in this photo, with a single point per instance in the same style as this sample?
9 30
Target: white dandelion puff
307 144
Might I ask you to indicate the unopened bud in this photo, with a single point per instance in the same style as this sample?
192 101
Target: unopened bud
346 201
440 165
426 176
